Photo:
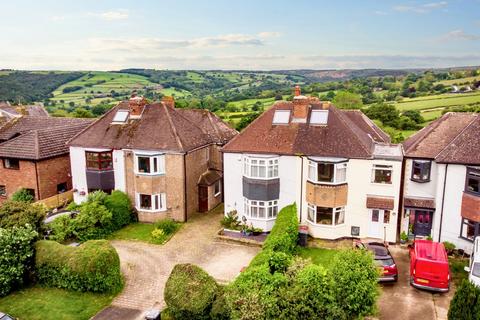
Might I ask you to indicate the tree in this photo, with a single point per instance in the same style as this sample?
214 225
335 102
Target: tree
387 113
415 115
247 120
82 113
19 214
347 100
465 304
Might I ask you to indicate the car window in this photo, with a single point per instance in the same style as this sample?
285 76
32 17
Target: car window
6 317
476 269
384 262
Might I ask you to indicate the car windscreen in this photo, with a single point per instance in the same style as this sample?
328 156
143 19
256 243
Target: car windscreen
476 269
384 262
6 317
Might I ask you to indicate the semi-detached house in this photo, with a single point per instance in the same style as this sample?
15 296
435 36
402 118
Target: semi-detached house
442 179
337 166
166 159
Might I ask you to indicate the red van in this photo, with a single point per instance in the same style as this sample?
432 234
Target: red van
429 266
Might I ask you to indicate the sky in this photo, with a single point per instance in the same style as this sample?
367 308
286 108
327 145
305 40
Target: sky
238 35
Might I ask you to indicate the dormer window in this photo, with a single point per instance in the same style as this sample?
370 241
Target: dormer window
120 117
281 117
421 170
319 117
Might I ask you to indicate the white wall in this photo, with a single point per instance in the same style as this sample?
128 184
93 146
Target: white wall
79 178
119 170
421 190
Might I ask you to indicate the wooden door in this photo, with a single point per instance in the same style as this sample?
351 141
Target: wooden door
202 198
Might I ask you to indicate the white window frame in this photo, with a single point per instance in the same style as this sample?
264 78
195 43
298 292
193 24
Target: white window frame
319 117
382 167
219 182
269 165
339 210
252 209
313 165
159 202
160 158
281 117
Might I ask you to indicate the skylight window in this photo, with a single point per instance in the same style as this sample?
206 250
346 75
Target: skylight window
121 116
319 117
281 117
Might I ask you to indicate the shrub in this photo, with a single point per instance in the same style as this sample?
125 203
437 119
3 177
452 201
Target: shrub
16 252
23 195
220 310
19 214
158 234
278 261
449 246
167 225
284 234
93 266
93 222
190 292
355 277
97 196
465 304
119 204
62 228
230 221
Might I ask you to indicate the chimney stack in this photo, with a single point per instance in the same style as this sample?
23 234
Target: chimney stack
301 105
298 91
169 101
136 105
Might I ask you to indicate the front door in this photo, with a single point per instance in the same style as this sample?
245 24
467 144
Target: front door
202 198
423 223
379 219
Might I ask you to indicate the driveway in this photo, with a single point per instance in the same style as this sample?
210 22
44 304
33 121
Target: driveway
401 301
146 267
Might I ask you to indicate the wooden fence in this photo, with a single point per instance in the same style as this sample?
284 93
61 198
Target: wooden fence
58 200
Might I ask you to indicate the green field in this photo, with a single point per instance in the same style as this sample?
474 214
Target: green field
437 101
467 80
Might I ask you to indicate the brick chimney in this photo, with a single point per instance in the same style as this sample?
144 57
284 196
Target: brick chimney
136 105
21 110
301 105
169 101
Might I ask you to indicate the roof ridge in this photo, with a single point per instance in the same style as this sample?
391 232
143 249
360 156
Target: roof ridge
214 126
190 120
169 118
422 133
375 128
476 117
342 118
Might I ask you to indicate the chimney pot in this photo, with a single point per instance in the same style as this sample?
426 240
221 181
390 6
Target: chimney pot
169 101
297 91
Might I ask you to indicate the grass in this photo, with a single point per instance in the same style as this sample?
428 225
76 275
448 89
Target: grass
318 256
141 232
461 81
38 303
456 268
437 101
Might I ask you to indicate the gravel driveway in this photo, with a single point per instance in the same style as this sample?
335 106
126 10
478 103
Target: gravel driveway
146 267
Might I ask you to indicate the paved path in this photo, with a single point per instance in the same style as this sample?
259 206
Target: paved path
403 302
146 267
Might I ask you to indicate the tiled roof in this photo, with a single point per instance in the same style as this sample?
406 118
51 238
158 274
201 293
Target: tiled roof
380 203
347 134
419 203
159 128
452 138
34 110
209 177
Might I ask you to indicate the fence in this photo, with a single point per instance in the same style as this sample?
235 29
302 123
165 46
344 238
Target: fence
58 200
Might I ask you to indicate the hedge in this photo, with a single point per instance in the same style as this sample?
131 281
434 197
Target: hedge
465 304
19 214
190 292
93 266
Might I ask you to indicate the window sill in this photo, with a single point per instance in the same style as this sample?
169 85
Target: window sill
420 181
217 194
11 168
99 170
150 211
475 194
149 174
381 183
257 178
327 183
466 239
262 219
330 226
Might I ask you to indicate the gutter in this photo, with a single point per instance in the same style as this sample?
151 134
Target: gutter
185 186
36 178
401 209
443 202
301 191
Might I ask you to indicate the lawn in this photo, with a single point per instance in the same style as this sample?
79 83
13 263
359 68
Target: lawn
318 256
38 303
141 232
437 101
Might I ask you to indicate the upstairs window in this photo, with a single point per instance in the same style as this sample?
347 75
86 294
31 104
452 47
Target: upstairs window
472 183
99 160
150 164
421 170
382 174
260 168
281 117
9 163
327 172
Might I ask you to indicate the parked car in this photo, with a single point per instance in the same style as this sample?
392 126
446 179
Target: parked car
4 316
383 259
473 268
429 268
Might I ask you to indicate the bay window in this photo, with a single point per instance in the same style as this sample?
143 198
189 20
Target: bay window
151 202
382 174
149 164
327 172
421 170
472 183
326 216
260 168
261 209
99 160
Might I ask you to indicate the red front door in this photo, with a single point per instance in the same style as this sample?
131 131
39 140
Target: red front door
202 198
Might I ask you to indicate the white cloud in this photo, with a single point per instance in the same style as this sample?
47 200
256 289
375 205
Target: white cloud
380 13
269 34
120 14
423 8
458 35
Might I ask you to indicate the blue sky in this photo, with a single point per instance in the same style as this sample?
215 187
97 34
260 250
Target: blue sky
246 34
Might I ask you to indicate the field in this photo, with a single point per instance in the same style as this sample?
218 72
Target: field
439 101
461 81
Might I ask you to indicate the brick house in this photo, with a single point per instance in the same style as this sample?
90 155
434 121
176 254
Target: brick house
442 179
166 159
337 166
34 155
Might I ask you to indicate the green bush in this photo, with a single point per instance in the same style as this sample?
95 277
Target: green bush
279 261
220 310
62 228
190 292
119 204
93 266
19 214
158 234
16 252
167 225
465 304
23 195
284 234
355 277
230 221
449 246
97 196
93 222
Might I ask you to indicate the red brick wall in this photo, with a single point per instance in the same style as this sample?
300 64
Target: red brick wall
52 172
25 177
471 207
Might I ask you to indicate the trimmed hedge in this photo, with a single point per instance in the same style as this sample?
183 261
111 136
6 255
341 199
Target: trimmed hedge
93 266
190 292
465 304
